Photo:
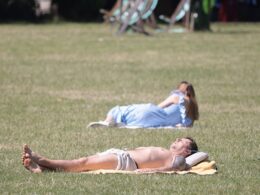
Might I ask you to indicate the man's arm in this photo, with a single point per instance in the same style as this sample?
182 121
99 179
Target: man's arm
178 164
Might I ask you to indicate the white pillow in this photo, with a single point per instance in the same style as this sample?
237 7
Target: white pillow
196 158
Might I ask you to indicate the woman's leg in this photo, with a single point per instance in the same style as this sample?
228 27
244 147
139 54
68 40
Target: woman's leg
109 119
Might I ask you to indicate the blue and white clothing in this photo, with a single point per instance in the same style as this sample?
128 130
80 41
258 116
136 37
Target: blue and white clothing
150 115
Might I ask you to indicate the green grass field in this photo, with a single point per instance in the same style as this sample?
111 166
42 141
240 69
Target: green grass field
55 79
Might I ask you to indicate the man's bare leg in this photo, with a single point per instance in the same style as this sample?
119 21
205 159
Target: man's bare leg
93 162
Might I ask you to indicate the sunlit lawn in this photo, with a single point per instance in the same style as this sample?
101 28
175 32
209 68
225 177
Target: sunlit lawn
55 79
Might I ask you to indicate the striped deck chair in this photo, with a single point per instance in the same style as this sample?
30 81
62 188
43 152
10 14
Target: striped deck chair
131 14
113 15
182 11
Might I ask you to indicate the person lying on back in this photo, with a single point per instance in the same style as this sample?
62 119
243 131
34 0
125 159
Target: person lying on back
142 159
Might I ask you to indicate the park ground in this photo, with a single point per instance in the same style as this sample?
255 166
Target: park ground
56 78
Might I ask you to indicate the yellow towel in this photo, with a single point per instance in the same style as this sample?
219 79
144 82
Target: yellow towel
203 168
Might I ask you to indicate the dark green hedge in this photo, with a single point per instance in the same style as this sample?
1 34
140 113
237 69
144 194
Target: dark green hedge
80 10
74 10
17 10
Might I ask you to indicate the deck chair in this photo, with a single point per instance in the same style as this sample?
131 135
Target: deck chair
182 11
148 16
113 15
131 14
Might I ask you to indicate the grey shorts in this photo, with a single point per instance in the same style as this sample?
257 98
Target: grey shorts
125 162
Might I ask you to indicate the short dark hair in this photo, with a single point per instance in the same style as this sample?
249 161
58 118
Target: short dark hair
193 145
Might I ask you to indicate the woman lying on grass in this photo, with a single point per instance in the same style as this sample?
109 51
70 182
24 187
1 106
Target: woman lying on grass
180 109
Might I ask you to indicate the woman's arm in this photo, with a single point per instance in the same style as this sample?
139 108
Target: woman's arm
173 99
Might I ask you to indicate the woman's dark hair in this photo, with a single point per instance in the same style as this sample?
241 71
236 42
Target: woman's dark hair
192 109
193 145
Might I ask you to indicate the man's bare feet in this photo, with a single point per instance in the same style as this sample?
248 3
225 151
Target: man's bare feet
31 166
28 161
34 156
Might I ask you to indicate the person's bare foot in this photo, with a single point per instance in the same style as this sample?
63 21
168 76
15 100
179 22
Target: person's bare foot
28 161
34 156
30 165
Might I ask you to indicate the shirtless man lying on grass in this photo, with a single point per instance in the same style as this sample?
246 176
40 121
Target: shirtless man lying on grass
142 159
